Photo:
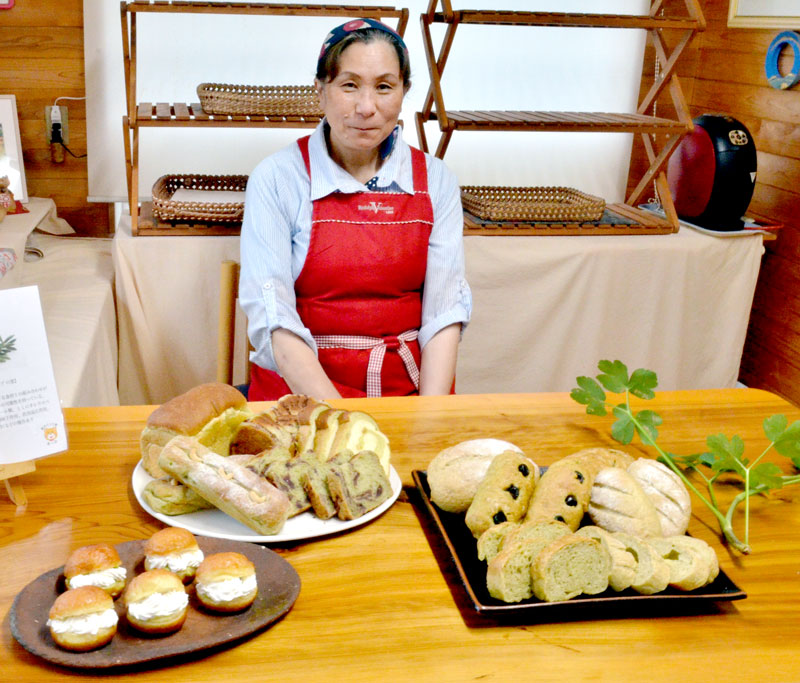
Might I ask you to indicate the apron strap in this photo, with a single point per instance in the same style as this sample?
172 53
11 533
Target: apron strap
302 143
377 347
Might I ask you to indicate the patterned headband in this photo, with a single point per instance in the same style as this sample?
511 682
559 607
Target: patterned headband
341 32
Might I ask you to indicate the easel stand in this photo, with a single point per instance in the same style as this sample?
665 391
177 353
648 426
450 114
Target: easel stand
14 488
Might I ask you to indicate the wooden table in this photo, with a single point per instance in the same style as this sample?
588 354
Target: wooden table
376 604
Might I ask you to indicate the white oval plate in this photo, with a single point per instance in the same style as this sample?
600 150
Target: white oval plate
217 524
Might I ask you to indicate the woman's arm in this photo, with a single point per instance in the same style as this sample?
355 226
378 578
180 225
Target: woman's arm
438 366
299 366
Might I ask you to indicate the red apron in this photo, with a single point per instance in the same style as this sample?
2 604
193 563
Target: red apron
360 289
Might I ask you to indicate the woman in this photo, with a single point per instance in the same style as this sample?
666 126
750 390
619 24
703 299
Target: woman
352 265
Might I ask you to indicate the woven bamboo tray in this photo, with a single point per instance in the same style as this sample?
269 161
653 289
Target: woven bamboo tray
263 100
531 203
165 208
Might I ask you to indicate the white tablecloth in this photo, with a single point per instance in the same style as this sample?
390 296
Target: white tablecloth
546 309
75 280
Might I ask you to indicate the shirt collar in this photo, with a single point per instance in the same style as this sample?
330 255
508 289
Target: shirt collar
328 177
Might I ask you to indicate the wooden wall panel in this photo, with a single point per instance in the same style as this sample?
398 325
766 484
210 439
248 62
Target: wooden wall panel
41 58
728 77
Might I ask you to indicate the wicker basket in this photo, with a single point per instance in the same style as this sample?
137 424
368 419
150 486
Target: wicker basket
262 100
167 209
549 204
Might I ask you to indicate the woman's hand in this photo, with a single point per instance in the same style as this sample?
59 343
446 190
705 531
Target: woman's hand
300 367
438 365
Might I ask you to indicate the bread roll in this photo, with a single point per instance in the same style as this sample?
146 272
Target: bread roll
156 602
504 492
226 582
564 490
618 503
175 550
667 492
96 565
210 412
83 619
455 472
234 489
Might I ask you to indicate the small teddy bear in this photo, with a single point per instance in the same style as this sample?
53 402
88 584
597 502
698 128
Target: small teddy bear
7 203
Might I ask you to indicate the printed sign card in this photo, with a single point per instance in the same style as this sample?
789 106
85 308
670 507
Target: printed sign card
31 421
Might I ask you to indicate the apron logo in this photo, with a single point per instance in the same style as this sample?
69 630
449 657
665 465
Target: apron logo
376 207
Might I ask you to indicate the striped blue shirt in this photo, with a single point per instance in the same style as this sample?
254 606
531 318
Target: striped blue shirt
277 227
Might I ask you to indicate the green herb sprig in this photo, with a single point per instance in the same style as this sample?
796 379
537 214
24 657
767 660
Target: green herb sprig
7 345
724 455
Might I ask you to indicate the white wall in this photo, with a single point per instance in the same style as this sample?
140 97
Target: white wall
490 67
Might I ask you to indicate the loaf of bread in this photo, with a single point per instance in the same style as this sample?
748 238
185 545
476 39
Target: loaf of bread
564 490
455 472
503 494
508 576
234 489
667 493
618 503
209 412
652 571
623 565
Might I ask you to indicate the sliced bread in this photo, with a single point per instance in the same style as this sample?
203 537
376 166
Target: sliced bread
358 485
491 541
652 571
688 567
570 566
623 565
508 576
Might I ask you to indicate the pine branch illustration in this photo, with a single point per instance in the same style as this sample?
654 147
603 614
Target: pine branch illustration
7 345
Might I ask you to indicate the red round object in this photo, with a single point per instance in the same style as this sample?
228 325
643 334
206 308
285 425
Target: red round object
690 173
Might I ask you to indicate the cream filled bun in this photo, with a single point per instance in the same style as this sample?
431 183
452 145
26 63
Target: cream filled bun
175 550
156 602
83 619
226 582
96 565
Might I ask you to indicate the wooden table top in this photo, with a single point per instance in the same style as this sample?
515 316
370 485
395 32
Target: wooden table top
375 602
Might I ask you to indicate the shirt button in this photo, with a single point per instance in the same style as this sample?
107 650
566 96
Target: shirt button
268 285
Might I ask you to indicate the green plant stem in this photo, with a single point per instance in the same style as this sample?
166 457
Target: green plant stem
724 521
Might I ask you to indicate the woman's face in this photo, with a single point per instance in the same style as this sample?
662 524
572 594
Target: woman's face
362 104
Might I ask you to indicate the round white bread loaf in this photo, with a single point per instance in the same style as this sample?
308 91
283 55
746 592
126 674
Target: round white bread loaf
668 493
618 503
454 474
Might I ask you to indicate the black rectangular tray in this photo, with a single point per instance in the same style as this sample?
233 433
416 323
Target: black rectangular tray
463 549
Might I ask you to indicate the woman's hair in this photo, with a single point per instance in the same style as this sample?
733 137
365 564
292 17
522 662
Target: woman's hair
328 64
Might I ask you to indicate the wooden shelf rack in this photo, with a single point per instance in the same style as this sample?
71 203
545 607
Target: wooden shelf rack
668 132
180 114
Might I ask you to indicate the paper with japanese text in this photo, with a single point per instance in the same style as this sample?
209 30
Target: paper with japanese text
31 421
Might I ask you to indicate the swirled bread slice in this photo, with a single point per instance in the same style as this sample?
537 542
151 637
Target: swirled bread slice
652 571
358 485
570 566
623 564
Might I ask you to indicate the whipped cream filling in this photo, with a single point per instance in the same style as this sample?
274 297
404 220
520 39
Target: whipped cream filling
158 605
103 579
175 562
227 589
86 624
